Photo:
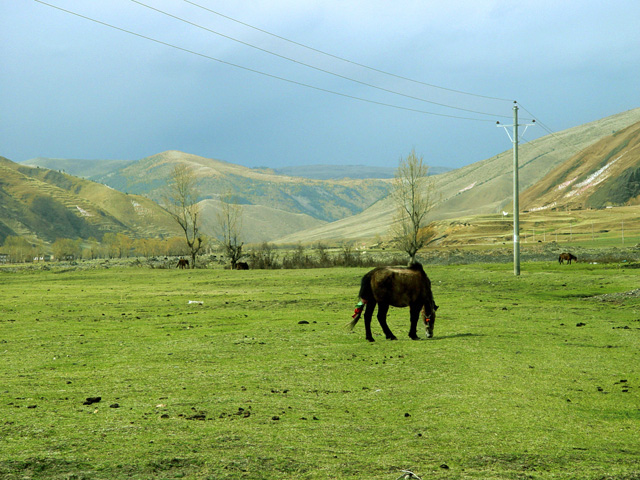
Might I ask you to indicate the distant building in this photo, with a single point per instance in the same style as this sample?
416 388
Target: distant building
4 258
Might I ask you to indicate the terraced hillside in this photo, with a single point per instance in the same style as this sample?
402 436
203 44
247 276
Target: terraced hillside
43 205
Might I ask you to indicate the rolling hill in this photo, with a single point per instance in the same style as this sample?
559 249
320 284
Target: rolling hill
78 167
259 223
324 200
336 172
484 187
43 205
605 174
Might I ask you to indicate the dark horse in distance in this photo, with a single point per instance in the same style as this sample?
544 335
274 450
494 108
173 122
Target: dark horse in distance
568 257
397 287
183 263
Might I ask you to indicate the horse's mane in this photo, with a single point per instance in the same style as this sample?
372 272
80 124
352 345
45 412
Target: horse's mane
417 266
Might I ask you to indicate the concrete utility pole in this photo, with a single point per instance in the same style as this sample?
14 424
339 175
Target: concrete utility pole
516 193
516 196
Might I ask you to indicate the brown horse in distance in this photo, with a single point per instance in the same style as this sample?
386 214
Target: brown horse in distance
183 263
566 257
397 287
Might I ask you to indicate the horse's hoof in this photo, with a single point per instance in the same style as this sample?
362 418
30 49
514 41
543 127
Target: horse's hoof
414 337
370 339
392 337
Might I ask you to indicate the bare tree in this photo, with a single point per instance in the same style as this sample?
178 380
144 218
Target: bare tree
413 194
229 229
181 202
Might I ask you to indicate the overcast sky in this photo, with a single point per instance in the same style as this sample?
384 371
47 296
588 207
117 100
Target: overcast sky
74 88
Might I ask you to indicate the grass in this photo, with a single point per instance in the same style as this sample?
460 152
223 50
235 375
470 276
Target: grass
536 376
611 227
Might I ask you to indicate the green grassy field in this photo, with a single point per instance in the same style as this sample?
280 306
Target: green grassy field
529 377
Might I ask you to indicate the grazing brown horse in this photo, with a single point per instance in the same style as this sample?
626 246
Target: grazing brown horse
568 257
242 266
183 263
397 287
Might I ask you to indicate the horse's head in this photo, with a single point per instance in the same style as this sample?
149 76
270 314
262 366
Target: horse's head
430 318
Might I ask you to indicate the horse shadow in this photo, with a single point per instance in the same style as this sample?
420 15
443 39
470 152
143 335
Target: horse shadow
456 335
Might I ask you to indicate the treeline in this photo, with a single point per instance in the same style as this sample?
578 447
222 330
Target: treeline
112 245
267 256
263 256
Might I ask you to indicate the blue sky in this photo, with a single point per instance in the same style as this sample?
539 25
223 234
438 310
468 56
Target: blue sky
73 88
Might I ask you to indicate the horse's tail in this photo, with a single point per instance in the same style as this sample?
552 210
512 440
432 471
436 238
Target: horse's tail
356 314
366 294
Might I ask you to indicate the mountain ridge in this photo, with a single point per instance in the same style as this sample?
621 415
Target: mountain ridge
321 199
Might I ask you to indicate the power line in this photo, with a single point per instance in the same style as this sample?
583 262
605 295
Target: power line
312 66
345 59
551 132
276 77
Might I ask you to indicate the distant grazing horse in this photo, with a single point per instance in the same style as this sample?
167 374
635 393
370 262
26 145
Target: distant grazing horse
397 287
568 257
242 266
183 263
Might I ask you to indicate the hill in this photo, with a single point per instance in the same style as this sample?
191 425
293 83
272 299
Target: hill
259 223
484 187
589 166
336 172
43 205
78 167
96 169
325 200
604 174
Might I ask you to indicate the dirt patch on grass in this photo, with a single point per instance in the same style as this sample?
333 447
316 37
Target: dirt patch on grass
618 296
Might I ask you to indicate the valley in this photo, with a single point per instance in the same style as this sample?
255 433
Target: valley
567 181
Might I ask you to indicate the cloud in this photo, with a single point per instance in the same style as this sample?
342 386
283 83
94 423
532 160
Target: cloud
81 89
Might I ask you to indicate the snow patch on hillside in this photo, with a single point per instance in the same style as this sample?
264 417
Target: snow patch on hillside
567 183
139 209
594 179
544 207
469 187
83 212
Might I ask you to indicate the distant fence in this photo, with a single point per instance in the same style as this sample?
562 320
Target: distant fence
622 235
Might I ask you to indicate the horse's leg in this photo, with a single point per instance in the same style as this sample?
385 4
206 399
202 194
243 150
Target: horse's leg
430 323
383 308
368 313
414 312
